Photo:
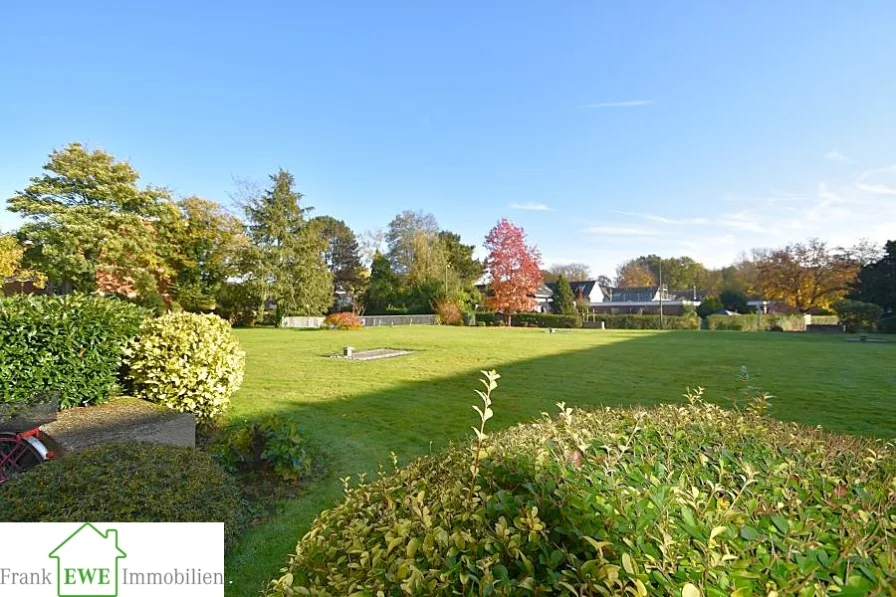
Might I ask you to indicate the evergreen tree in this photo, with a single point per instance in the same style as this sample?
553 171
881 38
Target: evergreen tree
876 282
342 254
564 300
709 305
287 263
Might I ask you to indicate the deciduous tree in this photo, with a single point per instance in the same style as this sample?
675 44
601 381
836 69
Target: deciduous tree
677 272
573 272
807 275
210 244
370 242
632 274
513 269
404 236
92 225
11 254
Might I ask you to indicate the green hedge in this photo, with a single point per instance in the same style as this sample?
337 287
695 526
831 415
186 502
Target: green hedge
825 320
858 316
546 320
887 325
487 318
677 500
643 322
69 344
753 323
127 482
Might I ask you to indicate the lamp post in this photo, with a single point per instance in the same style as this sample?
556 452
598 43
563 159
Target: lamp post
662 325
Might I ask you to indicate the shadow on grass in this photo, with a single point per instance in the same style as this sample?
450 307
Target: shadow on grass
816 380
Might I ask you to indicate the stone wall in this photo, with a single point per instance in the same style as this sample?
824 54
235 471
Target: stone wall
302 322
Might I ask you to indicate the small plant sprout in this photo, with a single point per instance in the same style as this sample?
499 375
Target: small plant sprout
757 400
490 381
694 396
565 413
346 481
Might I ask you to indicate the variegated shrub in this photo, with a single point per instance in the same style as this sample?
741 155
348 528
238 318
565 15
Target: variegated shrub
687 499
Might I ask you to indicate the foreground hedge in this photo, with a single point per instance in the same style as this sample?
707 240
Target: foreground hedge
126 482
188 362
643 322
678 500
71 345
753 323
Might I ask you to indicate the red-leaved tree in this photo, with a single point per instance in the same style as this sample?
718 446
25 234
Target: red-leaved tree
514 269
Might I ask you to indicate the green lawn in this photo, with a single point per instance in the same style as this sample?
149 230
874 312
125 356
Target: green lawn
357 412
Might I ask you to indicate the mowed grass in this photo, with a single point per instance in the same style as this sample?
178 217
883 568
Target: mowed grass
359 412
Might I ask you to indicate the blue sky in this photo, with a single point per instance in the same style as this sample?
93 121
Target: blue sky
606 129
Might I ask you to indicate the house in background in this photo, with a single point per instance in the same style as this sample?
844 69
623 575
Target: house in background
544 299
644 300
581 290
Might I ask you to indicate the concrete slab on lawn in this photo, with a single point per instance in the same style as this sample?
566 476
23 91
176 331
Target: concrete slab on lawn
377 353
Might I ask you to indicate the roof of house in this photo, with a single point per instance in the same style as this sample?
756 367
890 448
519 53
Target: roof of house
634 294
545 290
579 288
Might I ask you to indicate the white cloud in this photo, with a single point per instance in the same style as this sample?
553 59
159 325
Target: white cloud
664 220
836 156
881 181
624 104
531 206
840 213
623 231
745 220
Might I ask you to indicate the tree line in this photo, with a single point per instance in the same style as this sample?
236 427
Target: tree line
807 276
90 225
810 276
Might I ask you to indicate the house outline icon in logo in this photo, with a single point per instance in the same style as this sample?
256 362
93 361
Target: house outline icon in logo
87 563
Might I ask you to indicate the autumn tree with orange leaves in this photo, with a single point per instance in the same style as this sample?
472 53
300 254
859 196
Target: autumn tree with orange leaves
811 275
513 268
